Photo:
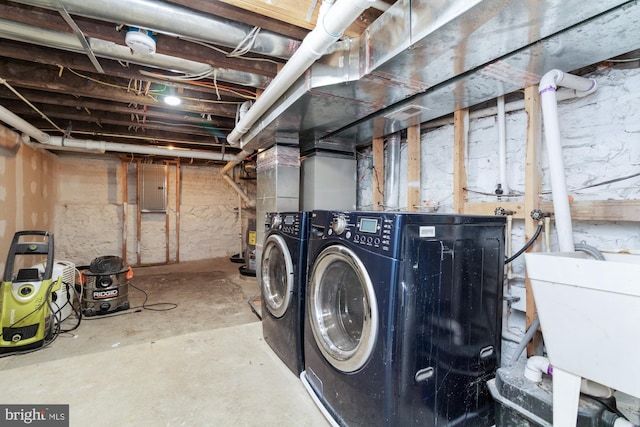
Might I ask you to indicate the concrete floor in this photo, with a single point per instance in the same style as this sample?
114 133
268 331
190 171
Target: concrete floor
202 363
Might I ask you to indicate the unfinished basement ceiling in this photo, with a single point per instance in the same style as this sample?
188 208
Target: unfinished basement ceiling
401 62
69 59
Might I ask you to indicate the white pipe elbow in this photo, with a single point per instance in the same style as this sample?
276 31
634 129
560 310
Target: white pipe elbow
535 367
621 422
554 78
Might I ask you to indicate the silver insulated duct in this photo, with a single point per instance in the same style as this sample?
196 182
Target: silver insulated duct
167 18
424 59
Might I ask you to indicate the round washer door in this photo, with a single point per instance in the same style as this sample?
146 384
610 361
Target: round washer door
342 308
277 275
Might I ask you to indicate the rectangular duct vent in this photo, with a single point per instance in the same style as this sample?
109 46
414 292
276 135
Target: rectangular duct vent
406 113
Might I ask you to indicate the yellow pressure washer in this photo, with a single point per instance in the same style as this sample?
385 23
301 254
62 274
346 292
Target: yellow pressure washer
26 296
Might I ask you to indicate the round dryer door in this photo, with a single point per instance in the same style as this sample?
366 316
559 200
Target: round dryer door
342 308
277 275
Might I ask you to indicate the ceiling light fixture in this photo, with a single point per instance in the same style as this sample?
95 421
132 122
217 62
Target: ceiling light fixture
172 99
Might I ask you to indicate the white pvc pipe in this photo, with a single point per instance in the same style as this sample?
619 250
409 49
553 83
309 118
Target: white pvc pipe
508 244
87 144
621 422
502 145
548 85
23 126
535 367
314 45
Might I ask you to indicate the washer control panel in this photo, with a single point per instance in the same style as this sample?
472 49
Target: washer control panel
289 223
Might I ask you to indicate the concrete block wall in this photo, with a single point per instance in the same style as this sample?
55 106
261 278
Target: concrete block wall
601 142
89 213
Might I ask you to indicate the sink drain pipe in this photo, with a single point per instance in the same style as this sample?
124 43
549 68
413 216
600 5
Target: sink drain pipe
548 86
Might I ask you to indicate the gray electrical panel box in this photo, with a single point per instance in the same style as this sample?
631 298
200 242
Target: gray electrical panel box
153 185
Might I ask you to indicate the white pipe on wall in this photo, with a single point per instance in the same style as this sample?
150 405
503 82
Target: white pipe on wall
502 144
548 85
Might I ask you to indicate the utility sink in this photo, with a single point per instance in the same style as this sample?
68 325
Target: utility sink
590 317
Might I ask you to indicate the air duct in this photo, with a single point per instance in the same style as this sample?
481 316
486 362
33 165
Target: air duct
170 19
106 49
439 56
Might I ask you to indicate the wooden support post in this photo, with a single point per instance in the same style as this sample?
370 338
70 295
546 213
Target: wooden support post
125 199
178 168
460 136
378 174
167 257
533 187
414 196
139 226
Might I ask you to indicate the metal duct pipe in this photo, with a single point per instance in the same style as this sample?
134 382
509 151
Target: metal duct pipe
175 20
330 29
106 49
392 172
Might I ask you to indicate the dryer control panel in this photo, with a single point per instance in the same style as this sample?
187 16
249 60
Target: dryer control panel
373 231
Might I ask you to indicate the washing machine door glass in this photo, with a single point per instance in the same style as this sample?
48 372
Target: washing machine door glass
277 275
342 308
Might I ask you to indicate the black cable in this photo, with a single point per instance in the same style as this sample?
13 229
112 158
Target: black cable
76 309
527 246
146 306
139 308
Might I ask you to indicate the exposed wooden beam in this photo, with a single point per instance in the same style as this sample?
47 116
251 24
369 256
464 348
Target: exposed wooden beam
219 8
47 79
601 210
77 62
460 135
302 14
414 190
533 184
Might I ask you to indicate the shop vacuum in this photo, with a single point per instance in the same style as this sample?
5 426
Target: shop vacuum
105 286
26 296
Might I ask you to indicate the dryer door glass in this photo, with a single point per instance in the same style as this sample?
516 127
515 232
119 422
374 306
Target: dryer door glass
277 275
342 308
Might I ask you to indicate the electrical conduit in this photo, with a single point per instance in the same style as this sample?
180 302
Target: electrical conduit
548 85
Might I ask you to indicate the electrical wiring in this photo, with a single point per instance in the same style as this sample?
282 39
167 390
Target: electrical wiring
33 107
152 93
240 92
245 45
519 194
229 54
